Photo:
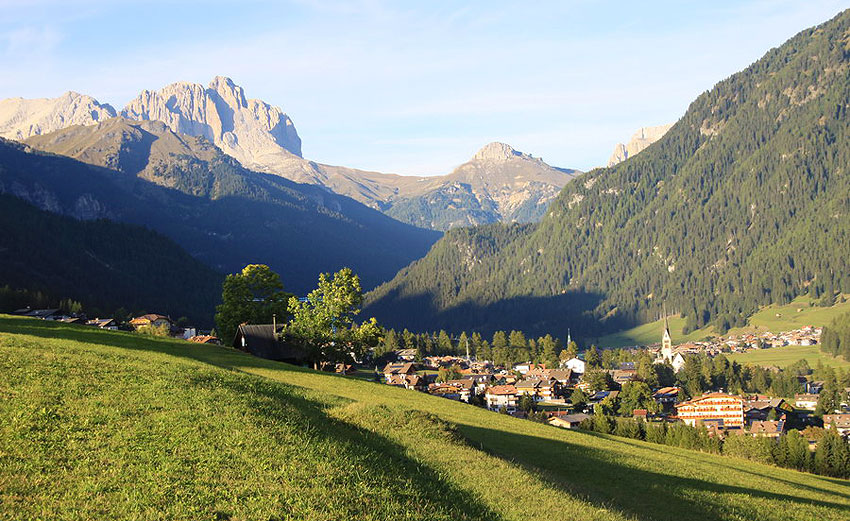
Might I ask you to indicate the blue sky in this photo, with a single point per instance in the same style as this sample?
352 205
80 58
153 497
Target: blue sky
410 87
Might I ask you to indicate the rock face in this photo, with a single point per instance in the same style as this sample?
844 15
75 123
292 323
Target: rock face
252 131
641 139
497 184
21 118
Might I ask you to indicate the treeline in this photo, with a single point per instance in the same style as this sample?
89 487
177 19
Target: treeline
740 205
791 450
835 338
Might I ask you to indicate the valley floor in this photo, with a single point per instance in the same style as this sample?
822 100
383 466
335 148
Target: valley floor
97 424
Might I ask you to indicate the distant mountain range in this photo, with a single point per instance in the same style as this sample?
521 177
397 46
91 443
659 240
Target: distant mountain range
498 184
143 173
742 203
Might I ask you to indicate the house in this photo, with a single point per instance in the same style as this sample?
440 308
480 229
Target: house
538 388
523 368
446 390
576 365
406 355
408 381
726 410
621 376
678 362
666 396
806 401
766 428
814 387
205 339
839 422
761 408
567 421
465 388
405 368
72 320
152 320
103 323
262 340
640 414
501 397
565 377
46 314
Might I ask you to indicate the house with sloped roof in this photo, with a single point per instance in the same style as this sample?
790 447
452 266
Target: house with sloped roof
500 397
404 368
151 320
767 428
263 341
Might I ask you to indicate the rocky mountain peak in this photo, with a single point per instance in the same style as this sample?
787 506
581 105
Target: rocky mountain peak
251 131
641 139
497 152
21 118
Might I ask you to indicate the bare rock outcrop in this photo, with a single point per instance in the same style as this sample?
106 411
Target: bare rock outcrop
641 139
22 118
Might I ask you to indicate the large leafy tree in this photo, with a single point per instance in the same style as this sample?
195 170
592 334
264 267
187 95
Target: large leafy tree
252 296
323 323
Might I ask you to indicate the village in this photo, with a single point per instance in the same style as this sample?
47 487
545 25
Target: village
563 396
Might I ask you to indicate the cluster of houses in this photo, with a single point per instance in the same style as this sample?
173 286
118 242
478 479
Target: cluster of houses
148 320
499 389
805 336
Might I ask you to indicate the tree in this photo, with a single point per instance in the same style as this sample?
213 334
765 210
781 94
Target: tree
444 374
547 353
526 403
798 455
578 399
598 380
571 350
592 357
444 343
636 395
252 296
323 324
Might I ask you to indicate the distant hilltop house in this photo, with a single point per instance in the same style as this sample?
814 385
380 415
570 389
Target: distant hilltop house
151 320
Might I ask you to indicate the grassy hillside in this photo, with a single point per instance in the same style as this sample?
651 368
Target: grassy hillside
107 424
787 355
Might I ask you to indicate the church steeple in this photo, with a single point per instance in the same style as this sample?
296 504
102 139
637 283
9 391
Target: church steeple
666 339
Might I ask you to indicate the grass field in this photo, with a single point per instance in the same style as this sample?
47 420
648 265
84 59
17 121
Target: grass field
787 355
772 318
109 425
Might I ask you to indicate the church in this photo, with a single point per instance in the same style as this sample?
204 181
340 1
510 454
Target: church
667 354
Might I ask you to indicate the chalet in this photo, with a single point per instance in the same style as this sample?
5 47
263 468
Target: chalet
806 401
262 340
46 314
103 323
567 421
413 382
501 397
766 428
576 365
465 388
814 387
666 396
406 355
523 368
726 410
538 388
622 376
640 414
205 339
72 320
445 390
152 320
760 409
406 368
565 377
839 422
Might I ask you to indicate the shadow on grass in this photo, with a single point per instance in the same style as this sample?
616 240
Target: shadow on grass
385 476
593 475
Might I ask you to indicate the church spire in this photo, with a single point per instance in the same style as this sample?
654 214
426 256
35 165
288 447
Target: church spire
666 339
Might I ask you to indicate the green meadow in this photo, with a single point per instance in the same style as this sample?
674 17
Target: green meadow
787 355
109 425
774 318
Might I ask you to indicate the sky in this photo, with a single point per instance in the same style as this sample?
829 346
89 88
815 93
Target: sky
410 87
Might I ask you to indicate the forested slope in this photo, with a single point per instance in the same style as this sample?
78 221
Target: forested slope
102 264
744 202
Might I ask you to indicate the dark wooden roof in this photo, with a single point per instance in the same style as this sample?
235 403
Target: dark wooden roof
260 340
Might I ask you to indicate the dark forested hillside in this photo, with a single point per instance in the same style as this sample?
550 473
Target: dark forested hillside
221 213
744 202
102 264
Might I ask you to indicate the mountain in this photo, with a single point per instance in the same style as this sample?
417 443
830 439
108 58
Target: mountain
742 203
223 214
497 184
21 118
102 264
641 139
